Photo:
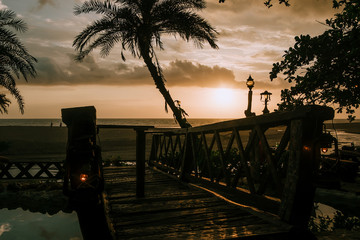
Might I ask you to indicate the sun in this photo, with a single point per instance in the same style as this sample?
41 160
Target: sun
224 97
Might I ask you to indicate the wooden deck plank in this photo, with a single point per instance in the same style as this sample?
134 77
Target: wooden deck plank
172 210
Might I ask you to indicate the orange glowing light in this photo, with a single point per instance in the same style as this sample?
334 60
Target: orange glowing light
324 150
83 177
306 148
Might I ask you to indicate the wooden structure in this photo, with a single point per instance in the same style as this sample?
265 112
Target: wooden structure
231 179
30 169
239 160
175 210
240 157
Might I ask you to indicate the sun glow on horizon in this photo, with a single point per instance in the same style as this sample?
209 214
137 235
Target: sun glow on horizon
224 97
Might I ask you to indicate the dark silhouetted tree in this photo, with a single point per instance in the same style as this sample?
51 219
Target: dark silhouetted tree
138 26
4 103
15 61
325 68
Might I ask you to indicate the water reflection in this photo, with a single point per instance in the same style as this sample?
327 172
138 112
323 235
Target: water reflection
19 224
345 138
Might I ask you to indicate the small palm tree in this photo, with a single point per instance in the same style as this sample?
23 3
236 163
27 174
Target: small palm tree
138 25
15 61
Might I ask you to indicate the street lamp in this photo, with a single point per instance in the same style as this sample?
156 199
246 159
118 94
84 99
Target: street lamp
250 84
267 99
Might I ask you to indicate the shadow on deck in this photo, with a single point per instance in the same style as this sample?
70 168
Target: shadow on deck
175 210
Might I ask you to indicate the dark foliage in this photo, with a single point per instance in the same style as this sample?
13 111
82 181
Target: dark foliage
15 61
325 68
138 26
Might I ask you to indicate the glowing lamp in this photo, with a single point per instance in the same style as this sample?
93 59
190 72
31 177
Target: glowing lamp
250 82
83 177
324 150
307 148
265 97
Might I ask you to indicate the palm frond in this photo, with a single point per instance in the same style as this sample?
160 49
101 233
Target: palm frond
15 60
106 32
8 18
4 104
138 25
188 25
100 7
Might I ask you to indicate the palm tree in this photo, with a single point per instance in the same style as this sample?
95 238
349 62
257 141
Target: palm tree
4 103
15 61
138 26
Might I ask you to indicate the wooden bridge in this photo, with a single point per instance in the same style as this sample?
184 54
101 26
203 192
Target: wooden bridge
175 210
250 178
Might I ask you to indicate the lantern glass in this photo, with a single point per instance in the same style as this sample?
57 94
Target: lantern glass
83 177
266 95
250 82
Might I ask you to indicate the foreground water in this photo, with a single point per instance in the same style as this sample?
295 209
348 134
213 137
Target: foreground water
18 224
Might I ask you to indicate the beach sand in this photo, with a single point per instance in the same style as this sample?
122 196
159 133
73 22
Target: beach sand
50 142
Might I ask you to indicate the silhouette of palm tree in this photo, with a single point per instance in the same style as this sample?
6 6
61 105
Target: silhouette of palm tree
4 103
138 26
15 61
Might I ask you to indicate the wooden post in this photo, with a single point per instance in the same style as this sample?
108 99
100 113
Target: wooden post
299 190
140 162
187 158
154 148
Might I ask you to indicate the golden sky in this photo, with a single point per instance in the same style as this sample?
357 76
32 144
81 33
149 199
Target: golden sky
209 83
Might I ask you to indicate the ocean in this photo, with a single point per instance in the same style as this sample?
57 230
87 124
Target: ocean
344 138
156 122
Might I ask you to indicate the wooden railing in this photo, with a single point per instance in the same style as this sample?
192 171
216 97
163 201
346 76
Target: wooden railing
267 161
31 169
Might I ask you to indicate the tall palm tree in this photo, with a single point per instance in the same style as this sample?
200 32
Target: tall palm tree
15 61
138 25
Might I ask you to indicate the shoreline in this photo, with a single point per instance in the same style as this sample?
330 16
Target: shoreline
30 142
346 127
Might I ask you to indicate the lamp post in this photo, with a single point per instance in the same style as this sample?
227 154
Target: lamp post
267 99
250 84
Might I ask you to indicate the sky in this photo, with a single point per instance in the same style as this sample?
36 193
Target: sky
210 83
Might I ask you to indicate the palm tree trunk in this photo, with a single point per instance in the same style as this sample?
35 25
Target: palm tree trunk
161 86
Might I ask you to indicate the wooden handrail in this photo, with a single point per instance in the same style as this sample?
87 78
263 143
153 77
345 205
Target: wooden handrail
269 120
286 172
39 169
140 153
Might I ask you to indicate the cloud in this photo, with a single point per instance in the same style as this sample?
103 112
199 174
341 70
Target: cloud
178 73
43 3
257 17
186 73
2 6
89 72
301 8
6 227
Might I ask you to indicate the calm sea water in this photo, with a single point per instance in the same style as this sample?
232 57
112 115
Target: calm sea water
343 137
160 123
156 122
19 224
